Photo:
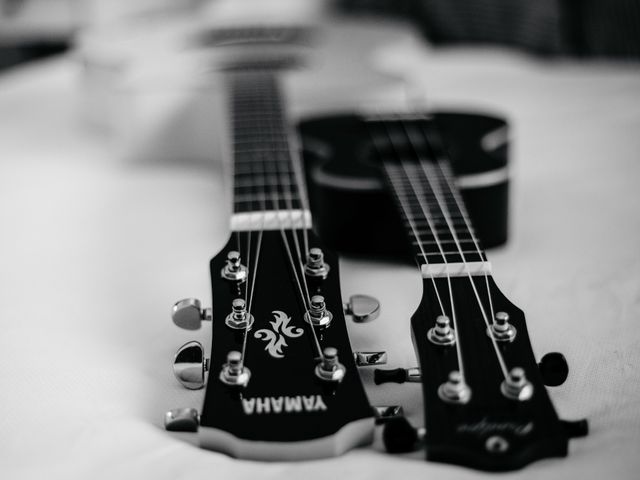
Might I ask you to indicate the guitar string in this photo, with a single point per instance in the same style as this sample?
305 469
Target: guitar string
296 164
249 300
305 301
431 223
294 161
477 295
276 201
411 222
253 277
298 168
302 275
447 215
446 172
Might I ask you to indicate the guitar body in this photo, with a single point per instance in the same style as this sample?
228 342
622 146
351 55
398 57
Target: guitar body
354 212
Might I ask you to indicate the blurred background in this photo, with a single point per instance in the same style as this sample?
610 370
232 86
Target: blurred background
31 29
140 63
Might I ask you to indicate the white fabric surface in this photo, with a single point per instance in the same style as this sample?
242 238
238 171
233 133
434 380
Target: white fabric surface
93 252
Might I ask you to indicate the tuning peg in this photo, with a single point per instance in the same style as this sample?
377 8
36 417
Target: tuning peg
399 436
189 314
234 373
316 266
330 369
368 359
576 428
362 308
190 365
554 369
233 270
182 420
384 413
318 315
396 375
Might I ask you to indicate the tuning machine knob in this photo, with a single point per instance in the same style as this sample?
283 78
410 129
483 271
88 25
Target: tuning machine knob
369 359
455 390
239 318
190 365
362 308
318 315
384 413
501 330
330 369
399 436
182 420
554 369
396 375
233 270
316 266
189 314
516 386
234 373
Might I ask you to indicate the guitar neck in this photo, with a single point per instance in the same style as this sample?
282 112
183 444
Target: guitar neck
419 175
266 171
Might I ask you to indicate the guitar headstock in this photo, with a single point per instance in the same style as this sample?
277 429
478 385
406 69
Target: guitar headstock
494 413
282 380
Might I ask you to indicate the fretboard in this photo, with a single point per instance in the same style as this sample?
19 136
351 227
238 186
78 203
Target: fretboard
419 175
265 177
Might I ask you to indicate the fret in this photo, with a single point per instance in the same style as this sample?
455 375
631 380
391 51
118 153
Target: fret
274 134
264 181
409 194
262 161
440 228
423 224
246 184
265 177
425 220
449 252
249 169
435 218
259 115
274 144
243 147
259 206
261 158
258 138
259 196
444 233
415 204
258 151
448 244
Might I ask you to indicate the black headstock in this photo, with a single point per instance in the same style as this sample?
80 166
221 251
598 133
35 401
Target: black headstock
492 429
283 406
